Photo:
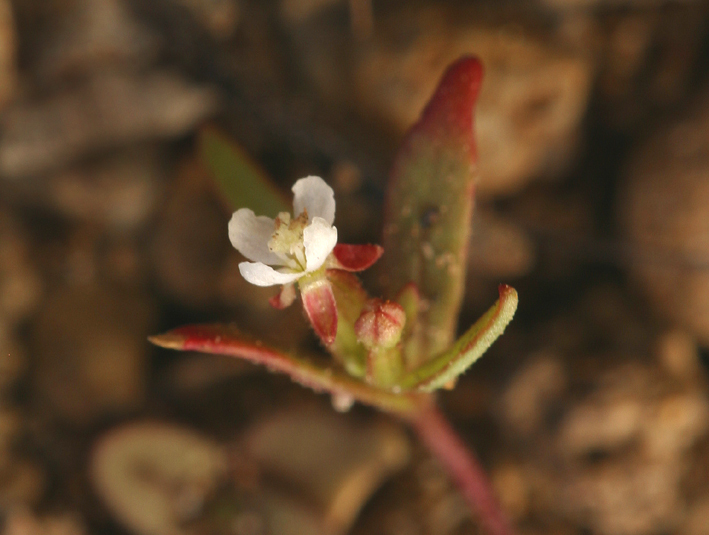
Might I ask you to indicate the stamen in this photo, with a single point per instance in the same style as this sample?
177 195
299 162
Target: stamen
287 239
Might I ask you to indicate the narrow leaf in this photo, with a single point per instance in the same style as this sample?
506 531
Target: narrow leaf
241 180
429 205
227 340
468 348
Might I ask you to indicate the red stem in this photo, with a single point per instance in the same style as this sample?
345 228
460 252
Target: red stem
462 465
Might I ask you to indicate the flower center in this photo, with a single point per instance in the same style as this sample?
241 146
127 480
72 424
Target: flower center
287 239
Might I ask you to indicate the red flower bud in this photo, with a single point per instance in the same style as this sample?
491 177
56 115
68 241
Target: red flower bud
380 325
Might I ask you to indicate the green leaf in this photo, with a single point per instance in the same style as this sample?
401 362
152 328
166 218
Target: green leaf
467 349
429 206
241 180
227 340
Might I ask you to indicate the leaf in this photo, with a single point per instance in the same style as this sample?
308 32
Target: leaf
428 208
241 180
468 348
227 340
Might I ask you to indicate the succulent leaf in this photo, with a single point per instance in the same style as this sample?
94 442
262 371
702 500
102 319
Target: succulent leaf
467 349
429 206
227 340
241 180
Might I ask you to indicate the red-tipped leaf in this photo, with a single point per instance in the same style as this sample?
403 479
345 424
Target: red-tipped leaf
429 206
228 340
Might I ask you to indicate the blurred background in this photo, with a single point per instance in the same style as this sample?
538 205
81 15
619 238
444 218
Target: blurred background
591 413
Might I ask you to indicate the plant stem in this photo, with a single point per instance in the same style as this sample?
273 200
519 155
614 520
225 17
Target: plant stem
462 465
417 409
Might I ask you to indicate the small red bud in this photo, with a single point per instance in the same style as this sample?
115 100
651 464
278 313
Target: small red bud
380 324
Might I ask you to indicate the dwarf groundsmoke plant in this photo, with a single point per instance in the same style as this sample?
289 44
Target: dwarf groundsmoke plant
389 352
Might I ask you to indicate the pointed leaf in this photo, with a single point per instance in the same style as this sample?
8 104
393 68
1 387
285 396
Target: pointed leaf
227 340
468 348
354 257
241 180
429 205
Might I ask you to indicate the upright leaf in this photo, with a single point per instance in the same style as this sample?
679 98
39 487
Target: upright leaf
446 367
241 180
429 206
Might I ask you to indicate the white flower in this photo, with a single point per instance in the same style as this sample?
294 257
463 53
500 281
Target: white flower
296 246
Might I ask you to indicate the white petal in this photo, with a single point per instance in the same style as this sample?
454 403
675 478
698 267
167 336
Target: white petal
250 234
263 275
319 240
313 194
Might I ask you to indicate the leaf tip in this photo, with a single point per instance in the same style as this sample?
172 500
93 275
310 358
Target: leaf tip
508 301
451 107
507 292
168 340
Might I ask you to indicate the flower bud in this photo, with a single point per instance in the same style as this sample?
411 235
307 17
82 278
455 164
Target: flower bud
320 307
380 325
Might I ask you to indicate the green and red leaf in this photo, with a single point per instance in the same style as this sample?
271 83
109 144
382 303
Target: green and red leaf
447 366
428 209
228 340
